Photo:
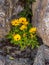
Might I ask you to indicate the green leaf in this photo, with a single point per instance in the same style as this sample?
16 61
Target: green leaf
11 58
11 41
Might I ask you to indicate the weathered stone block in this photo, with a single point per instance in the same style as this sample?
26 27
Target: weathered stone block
40 60
40 11
4 21
8 9
16 61
42 56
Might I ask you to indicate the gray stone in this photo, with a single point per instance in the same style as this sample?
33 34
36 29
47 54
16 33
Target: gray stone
8 9
4 22
17 61
40 11
2 60
39 60
42 55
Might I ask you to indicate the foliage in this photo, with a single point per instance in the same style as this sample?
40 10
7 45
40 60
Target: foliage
27 12
22 33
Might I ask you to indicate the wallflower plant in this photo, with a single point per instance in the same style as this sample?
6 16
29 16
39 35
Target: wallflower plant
22 33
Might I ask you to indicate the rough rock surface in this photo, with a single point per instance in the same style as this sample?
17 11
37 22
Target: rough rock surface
8 9
40 11
2 60
42 56
39 60
4 22
17 61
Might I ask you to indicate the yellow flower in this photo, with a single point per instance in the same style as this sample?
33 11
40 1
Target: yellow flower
23 27
25 23
15 22
33 30
17 37
22 20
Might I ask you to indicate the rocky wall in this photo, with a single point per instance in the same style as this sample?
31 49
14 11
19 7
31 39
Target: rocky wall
8 10
40 18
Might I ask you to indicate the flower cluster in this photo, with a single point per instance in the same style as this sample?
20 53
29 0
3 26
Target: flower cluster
22 33
21 20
